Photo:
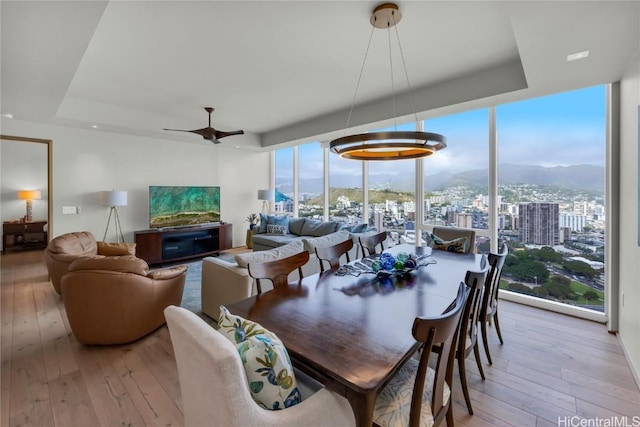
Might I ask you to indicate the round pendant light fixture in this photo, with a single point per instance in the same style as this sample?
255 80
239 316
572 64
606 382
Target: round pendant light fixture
387 145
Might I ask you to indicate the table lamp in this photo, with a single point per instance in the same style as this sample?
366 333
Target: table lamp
29 196
113 199
265 196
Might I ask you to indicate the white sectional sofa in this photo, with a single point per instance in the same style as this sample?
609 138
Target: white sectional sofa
227 282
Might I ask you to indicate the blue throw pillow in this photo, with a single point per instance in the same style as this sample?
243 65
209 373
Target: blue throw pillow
272 220
263 224
360 228
347 227
279 220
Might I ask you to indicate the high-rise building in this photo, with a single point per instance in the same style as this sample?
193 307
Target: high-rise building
574 222
539 223
463 220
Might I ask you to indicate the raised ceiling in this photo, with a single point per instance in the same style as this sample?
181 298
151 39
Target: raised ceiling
287 70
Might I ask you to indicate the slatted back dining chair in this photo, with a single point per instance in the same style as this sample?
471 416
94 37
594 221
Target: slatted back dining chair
468 336
489 309
419 391
277 271
332 254
369 244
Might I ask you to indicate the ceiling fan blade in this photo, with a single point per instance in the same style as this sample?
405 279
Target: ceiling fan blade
221 134
178 130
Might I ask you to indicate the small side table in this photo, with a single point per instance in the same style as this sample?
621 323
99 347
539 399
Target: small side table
24 235
249 236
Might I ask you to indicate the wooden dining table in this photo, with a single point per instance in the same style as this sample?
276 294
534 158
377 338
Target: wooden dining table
353 333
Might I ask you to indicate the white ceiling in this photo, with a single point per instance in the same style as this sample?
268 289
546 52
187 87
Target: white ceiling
287 70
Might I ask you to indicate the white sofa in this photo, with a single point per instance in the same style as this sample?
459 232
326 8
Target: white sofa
227 282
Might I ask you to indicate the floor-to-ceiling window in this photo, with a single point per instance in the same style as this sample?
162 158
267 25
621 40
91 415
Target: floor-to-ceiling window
456 178
551 184
311 181
392 194
284 191
345 190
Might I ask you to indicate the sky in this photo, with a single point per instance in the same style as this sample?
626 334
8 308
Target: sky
555 130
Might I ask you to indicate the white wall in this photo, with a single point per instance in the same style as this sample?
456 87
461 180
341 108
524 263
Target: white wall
87 161
629 274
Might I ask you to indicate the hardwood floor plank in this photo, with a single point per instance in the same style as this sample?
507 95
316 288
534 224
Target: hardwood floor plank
72 405
146 393
604 387
30 403
58 355
7 274
502 410
162 363
516 398
540 392
112 403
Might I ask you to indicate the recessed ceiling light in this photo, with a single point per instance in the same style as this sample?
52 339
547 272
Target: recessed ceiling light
578 55
94 126
7 115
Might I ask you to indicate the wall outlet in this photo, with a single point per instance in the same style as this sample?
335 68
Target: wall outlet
69 210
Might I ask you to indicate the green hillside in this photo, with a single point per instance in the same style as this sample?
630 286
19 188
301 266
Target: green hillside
355 195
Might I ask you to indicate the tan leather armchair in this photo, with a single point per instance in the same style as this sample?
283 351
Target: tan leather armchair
116 300
66 248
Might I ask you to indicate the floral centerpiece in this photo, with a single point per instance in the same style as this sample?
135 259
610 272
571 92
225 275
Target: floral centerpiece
400 264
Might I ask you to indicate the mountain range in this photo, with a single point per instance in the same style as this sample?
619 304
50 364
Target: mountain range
575 177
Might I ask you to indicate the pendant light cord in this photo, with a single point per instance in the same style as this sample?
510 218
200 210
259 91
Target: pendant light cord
353 101
406 74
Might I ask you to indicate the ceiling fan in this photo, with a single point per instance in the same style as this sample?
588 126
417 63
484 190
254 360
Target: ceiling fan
209 133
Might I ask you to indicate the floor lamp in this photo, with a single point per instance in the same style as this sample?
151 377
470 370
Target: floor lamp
113 199
265 196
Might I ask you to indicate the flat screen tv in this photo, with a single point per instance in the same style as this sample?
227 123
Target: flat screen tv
176 206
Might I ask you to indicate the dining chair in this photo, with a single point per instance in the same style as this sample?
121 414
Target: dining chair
452 233
369 244
332 254
419 394
277 271
489 308
468 334
215 390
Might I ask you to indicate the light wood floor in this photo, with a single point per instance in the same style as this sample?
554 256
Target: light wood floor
550 366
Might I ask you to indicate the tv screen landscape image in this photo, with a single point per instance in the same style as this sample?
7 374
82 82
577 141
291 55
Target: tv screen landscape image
176 206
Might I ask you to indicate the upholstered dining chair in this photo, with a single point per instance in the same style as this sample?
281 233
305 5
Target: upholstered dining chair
277 271
419 395
332 254
489 309
215 390
468 333
451 233
369 244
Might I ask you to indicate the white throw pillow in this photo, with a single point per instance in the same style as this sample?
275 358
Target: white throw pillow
266 362
274 254
322 242
276 229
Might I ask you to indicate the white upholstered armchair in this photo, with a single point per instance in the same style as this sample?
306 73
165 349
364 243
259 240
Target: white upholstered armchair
215 390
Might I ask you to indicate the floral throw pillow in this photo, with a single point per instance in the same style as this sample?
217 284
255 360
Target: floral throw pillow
456 245
265 359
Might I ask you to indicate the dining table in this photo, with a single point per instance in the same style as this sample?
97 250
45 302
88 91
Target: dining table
352 332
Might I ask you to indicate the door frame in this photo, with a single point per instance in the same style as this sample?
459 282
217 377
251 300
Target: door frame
49 144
